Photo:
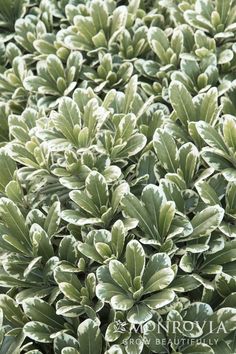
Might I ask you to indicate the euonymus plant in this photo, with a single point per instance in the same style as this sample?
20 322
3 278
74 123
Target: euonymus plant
117 176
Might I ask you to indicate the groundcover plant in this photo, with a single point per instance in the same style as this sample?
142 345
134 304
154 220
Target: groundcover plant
117 176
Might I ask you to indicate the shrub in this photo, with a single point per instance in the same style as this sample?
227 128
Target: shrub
117 176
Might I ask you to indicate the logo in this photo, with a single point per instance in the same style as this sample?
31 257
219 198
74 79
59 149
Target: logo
172 332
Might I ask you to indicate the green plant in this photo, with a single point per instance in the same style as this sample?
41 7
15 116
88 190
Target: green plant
117 177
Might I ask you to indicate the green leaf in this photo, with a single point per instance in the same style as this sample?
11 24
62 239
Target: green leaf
33 83
40 311
229 301
15 222
231 198
160 299
135 258
126 126
85 202
70 291
106 291
225 255
166 217
139 313
13 343
223 8
121 302
146 166
159 43
153 198
14 192
97 188
185 283
112 173
118 194
103 249
206 221
222 322
64 340
7 169
55 67
211 136
207 193
89 337
20 154
90 252
198 311
130 93
134 209
209 106
112 332
52 221
218 162
11 310
157 262
38 331
182 103
166 150
41 243
67 118
225 56
229 130
188 159
159 280
228 229
225 284
120 274
75 218
172 193
133 145
119 19
118 237
99 15
156 34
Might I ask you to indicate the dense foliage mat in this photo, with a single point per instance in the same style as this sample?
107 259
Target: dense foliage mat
117 176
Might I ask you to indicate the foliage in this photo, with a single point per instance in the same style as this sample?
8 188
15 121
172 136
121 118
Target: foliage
117 176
